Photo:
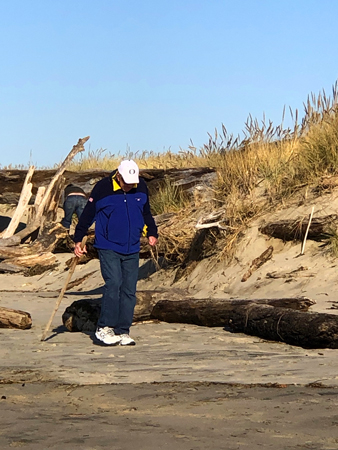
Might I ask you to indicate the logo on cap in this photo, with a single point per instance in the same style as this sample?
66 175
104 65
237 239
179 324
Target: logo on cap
131 171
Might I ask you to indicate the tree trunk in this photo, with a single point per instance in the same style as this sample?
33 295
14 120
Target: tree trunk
12 318
34 208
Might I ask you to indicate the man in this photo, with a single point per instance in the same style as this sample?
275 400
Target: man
75 202
119 205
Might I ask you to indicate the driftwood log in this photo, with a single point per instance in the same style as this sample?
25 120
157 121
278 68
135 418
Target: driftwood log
45 259
10 268
303 329
150 306
290 230
49 239
37 256
216 312
13 318
284 320
11 181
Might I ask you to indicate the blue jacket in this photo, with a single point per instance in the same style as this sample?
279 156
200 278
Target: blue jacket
119 216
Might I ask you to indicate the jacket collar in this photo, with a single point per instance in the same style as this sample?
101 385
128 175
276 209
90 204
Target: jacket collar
115 184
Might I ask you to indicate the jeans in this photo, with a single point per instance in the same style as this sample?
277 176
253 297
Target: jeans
120 273
73 204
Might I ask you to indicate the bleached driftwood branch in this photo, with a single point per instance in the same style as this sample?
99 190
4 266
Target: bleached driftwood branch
211 221
25 196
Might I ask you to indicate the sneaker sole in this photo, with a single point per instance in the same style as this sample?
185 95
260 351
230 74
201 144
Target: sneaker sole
98 341
127 345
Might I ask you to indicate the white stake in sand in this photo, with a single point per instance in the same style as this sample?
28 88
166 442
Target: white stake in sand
307 231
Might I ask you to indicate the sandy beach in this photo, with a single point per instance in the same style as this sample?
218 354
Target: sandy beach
182 386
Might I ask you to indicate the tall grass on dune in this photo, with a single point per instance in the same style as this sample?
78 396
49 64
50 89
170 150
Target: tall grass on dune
92 160
169 198
264 169
281 159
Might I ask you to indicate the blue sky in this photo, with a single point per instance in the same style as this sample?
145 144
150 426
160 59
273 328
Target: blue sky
151 75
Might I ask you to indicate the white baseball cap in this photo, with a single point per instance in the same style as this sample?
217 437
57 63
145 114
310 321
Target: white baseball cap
128 169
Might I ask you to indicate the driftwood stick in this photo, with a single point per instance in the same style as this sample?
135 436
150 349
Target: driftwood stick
211 220
200 226
25 196
301 271
258 262
63 290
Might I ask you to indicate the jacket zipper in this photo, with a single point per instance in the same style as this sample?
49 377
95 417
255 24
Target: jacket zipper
125 199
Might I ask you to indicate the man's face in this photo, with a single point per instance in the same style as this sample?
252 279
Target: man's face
124 186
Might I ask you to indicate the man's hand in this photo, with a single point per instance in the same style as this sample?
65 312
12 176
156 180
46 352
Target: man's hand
152 240
78 250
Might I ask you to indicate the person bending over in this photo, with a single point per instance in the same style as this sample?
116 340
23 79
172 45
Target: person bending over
74 203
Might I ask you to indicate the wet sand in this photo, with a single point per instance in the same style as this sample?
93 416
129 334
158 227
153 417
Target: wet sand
167 416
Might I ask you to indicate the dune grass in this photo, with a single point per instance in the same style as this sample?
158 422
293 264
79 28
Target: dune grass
168 199
281 159
271 166
264 169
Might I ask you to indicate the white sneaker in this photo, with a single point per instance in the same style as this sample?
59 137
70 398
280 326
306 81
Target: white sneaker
107 336
126 340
